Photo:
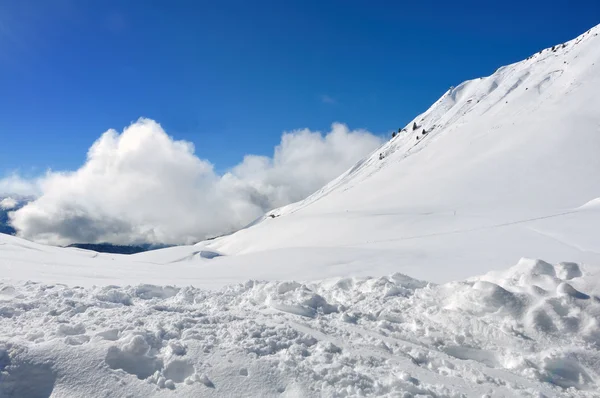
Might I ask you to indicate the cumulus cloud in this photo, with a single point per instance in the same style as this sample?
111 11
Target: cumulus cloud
143 186
8 203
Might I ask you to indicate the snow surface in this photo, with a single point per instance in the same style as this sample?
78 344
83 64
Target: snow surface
531 331
498 169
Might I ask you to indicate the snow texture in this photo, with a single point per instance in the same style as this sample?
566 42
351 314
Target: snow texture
530 331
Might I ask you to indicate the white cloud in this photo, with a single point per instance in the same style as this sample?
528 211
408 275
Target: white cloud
144 186
14 184
8 203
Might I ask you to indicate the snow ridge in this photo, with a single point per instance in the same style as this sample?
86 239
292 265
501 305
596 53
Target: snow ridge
473 99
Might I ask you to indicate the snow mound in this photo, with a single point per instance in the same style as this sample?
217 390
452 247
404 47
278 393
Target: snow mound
531 329
594 203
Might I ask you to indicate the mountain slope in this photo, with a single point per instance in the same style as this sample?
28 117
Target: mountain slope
505 165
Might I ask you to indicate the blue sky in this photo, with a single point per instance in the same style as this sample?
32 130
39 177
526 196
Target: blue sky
231 76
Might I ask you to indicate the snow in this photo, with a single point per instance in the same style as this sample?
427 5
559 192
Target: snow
527 331
366 287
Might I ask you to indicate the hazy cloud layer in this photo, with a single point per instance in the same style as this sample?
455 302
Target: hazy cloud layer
144 186
326 99
14 184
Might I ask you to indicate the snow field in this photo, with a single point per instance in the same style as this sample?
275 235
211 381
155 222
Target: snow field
531 331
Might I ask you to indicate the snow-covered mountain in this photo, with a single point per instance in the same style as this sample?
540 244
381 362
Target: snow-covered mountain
497 169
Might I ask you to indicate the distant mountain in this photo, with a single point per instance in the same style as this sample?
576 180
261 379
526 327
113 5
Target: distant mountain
116 249
4 227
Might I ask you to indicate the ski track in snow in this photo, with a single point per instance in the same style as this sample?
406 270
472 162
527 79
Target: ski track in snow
530 331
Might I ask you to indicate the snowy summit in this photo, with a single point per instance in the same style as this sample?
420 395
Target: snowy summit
459 259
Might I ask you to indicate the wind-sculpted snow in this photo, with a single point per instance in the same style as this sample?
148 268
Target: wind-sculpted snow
530 331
